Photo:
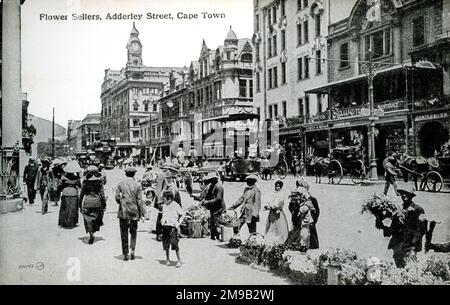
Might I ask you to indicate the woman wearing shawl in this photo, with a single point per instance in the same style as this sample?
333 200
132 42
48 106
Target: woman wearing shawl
92 201
69 185
305 213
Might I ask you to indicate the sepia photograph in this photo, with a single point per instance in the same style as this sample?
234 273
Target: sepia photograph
239 144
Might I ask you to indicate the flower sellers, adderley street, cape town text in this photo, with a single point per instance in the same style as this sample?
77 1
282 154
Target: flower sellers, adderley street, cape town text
131 16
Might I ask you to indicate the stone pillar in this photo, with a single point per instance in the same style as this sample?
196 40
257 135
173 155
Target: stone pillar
397 42
11 75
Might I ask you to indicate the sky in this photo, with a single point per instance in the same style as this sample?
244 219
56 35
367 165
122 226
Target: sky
63 62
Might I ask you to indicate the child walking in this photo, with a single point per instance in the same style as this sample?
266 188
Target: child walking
172 215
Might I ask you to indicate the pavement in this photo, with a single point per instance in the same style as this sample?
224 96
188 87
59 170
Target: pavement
34 250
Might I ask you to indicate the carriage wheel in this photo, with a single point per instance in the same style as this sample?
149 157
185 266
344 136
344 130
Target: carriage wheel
434 181
281 170
335 172
359 173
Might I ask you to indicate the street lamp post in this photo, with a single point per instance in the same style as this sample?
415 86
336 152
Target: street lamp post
372 153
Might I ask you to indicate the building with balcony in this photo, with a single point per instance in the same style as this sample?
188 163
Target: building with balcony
403 48
211 105
290 48
129 95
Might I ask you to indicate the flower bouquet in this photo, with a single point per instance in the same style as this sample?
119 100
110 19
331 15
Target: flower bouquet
382 206
272 256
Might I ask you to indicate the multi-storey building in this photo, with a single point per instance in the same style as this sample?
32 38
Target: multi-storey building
212 105
89 130
401 50
72 135
289 47
129 95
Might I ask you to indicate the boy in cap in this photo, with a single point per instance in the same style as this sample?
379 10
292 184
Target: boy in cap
129 197
390 164
172 215
251 205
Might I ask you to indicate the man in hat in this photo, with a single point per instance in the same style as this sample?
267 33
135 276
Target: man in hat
172 186
390 165
29 177
406 234
41 184
129 197
251 205
214 202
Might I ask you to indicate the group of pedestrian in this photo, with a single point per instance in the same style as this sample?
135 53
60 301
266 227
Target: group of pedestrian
60 181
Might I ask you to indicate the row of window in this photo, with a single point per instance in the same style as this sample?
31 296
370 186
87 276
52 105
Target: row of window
303 107
145 90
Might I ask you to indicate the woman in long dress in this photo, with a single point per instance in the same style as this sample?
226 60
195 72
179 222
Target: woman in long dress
302 210
92 201
277 229
69 185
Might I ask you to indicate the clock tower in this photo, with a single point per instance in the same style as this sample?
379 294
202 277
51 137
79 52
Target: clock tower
134 48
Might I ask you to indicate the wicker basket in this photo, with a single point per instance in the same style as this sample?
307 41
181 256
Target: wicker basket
229 218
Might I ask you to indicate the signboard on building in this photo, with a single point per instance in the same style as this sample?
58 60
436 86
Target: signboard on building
433 116
349 112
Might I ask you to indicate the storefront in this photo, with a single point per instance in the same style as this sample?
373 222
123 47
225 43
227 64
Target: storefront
432 133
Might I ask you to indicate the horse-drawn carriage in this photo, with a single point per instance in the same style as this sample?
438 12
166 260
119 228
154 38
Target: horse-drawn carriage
343 161
428 174
241 168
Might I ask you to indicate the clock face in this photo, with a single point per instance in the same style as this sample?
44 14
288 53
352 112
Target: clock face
135 47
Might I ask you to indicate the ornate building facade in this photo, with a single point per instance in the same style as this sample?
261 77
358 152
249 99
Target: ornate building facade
407 48
210 105
129 95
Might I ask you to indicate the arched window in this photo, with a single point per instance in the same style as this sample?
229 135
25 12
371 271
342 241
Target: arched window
247 57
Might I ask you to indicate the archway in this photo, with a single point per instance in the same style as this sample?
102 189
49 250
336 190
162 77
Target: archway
431 137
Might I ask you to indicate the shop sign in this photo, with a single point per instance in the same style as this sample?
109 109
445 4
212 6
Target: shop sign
342 124
348 112
434 116
392 105
316 127
288 132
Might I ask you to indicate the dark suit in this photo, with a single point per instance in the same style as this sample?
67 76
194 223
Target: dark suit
216 205
29 177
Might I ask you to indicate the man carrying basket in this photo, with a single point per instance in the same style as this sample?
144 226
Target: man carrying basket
251 201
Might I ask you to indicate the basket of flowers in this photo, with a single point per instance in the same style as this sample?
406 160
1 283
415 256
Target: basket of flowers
229 218
195 220
382 206
253 247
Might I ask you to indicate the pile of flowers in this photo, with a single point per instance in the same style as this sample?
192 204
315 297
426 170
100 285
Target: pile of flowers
382 206
197 213
304 268
251 250
431 270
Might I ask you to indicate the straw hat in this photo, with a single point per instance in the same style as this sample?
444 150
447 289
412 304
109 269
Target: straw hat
72 167
211 175
252 177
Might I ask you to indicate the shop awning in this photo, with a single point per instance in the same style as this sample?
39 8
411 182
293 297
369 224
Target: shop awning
325 88
233 117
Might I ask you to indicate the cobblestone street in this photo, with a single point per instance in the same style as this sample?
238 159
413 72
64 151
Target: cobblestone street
29 237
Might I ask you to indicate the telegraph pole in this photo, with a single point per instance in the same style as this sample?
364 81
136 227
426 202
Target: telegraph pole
372 151
53 134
